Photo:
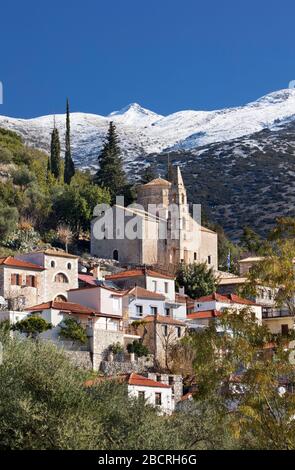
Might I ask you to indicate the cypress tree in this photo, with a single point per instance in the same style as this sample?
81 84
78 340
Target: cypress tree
55 163
111 174
69 169
48 166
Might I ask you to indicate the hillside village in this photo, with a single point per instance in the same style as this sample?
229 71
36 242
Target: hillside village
127 302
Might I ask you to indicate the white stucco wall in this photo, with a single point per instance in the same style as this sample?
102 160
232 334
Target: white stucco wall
98 298
150 393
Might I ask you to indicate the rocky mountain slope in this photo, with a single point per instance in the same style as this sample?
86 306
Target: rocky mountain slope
237 162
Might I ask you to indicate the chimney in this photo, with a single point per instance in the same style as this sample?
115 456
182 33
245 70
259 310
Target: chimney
96 272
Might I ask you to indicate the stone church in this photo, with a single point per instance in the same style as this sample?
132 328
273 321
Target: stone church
166 232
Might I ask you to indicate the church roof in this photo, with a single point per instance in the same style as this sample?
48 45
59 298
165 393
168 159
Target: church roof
158 182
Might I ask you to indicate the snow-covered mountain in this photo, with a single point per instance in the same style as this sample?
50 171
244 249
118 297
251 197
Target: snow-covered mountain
239 163
142 132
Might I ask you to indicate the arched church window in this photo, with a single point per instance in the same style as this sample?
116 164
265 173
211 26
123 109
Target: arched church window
182 199
116 255
61 278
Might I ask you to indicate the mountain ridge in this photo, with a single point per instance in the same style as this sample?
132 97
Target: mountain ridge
239 163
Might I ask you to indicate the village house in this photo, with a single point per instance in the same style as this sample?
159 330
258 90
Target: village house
159 334
149 293
277 319
151 392
211 306
164 239
60 272
21 282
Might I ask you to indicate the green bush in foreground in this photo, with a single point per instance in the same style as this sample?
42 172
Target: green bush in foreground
44 404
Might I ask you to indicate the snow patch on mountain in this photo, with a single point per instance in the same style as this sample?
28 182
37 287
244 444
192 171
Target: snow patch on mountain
142 131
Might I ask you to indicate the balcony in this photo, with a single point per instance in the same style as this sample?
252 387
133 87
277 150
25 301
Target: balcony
276 313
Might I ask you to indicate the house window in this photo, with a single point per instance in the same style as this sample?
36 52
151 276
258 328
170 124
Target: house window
209 259
269 295
30 281
154 310
178 331
69 266
16 280
116 255
167 312
158 399
52 264
165 330
166 287
158 378
155 286
139 310
61 278
285 330
171 380
141 395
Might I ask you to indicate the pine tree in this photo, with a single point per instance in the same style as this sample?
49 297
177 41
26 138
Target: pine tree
55 163
111 174
69 169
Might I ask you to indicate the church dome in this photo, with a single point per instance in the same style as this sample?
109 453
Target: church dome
158 182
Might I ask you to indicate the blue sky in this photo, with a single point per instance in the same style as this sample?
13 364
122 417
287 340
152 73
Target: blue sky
167 55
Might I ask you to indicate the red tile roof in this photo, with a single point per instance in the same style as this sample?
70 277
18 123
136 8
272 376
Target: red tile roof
64 306
164 320
140 380
88 279
138 272
130 379
205 314
17 263
142 293
230 298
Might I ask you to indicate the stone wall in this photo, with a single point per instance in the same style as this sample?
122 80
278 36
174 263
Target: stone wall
100 343
169 379
81 359
141 366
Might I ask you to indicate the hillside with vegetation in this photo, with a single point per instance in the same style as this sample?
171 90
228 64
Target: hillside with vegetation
35 206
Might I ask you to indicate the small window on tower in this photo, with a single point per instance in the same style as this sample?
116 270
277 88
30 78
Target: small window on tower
195 256
209 259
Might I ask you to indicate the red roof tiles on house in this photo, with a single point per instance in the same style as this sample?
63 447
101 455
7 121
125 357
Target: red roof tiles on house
138 272
230 298
142 293
130 379
64 306
140 380
17 263
205 314
88 279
